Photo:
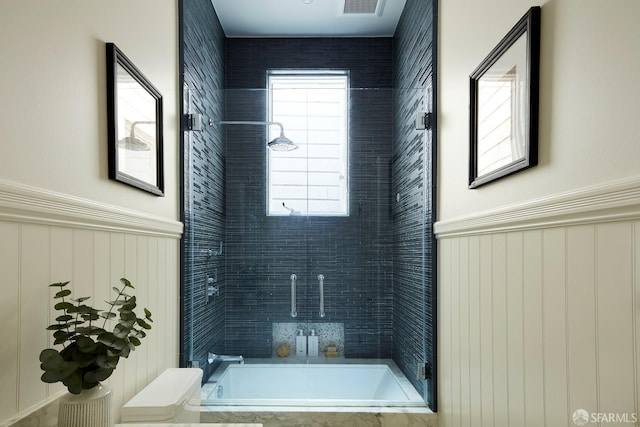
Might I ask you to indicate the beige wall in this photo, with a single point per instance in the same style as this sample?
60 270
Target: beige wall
53 126
588 99
539 293
61 218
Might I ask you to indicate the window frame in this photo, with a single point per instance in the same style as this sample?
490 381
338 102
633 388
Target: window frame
310 74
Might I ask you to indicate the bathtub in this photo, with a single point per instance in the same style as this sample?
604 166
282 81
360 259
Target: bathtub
317 385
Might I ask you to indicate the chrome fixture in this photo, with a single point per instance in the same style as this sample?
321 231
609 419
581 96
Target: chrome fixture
211 289
132 142
212 357
210 252
193 122
321 281
293 278
218 252
291 211
281 143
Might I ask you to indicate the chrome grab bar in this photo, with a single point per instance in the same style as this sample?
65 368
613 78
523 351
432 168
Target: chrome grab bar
212 357
321 280
294 313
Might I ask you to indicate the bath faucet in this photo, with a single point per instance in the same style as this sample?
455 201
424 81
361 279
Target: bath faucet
224 358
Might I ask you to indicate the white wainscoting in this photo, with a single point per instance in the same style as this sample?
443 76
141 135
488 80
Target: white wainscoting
539 313
47 237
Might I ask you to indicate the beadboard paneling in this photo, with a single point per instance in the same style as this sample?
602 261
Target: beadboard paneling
537 322
9 318
37 251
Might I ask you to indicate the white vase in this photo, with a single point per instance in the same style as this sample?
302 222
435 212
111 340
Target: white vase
91 407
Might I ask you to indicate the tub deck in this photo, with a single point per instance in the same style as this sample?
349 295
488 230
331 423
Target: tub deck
319 383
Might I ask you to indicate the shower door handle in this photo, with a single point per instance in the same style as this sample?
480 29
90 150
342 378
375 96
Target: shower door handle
321 283
294 313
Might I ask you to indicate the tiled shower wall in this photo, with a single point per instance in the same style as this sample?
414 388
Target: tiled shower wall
354 253
414 202
374 261
204 188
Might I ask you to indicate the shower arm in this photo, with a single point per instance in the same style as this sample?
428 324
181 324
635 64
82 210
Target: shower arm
251 122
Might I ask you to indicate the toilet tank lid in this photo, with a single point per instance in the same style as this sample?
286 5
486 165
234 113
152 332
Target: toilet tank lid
165 395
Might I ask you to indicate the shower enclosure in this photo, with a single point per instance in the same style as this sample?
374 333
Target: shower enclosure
255 276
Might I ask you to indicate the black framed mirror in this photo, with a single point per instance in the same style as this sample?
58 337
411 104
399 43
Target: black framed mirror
504 105
134 120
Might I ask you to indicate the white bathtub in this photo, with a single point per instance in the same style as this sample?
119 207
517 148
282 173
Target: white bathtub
313 385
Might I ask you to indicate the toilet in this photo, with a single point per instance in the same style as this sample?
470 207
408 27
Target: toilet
173 397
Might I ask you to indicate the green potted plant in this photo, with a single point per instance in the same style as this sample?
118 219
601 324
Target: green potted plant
91 350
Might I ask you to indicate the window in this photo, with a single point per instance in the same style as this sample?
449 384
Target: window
313 108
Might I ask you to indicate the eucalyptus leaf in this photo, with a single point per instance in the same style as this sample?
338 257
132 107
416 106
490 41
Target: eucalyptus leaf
68 367
138 333
107 339
103 373
126 283
63 306
61 294
73 382
143 324
64 318
82 359
84 309
128 315
90 317
85 344
51 377
128 323
61 339
107 315
89 330
121 331
125 351
135 341
49 354
60 334
57 326
79 300
107 362
120 344
59 285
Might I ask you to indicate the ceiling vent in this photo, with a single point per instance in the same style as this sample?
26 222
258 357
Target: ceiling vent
363 7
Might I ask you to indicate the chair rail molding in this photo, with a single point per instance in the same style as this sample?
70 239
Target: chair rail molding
27 204
611 201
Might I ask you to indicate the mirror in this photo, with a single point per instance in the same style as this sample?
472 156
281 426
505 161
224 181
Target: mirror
135 125
504 105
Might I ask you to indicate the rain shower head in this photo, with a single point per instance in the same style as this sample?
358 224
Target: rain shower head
281 143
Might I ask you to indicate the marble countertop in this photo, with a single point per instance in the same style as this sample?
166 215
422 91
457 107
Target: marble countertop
194 425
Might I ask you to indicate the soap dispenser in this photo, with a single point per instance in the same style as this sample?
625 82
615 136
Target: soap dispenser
313 343
301 344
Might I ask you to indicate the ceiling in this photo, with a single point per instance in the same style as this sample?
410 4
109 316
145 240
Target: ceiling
308 18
